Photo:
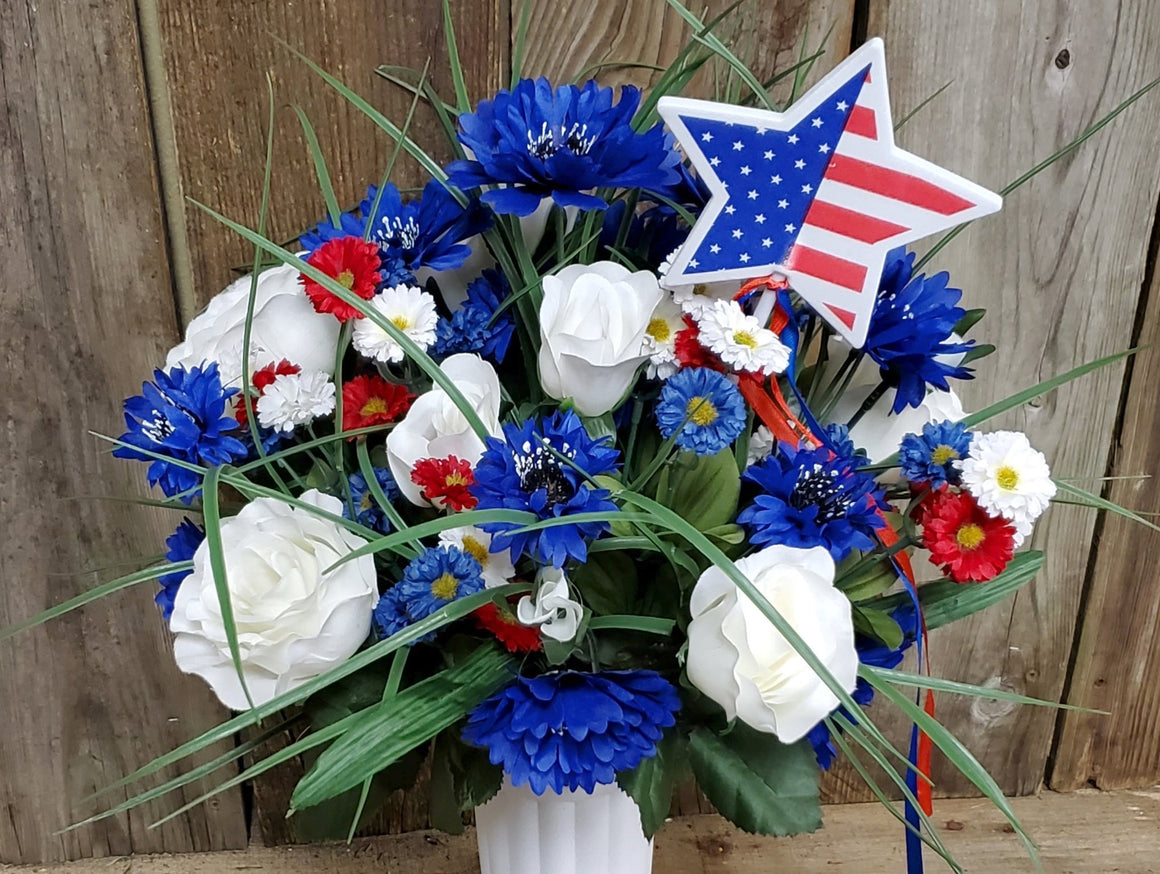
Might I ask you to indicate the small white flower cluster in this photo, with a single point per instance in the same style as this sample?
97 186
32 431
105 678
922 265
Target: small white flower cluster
1008 478
294 399
409 309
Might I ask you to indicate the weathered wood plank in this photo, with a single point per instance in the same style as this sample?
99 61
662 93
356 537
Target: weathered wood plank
1117 660
216 69
1059 270
1084 833
84 265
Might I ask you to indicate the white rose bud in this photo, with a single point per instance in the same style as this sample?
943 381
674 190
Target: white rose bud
593 322
742 662
285 326
553 610
293 621
435 428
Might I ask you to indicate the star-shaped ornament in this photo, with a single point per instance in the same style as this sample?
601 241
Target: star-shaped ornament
843 194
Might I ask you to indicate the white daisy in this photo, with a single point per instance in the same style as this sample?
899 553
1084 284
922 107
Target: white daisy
294 399
660 339
410 309
739 340
760 446
497 566
695 299
1009 478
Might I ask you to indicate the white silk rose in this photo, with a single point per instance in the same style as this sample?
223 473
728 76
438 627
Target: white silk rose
742 662
294 621
285 326
435 428
593 323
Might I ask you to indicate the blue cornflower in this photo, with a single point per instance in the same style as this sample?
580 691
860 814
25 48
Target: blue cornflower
424 233
471 328
929 457
870 652
524 471
703 408
839 440
440 575
366 506
910 331
811 497
390 616
572 730
181 415
179 546
537 142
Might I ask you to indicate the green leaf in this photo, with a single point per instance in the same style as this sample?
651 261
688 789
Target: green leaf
1090 499
969 320
414 716
704 489
730 533
878 625
975 353
333 211
919 681
756 782
462 778
463 102
650 784
607 582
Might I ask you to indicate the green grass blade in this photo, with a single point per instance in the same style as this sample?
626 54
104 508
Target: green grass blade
384 502
217 563
918 681
710 40
898 125
324 183
101 591
520 41
461 99
1090 499
644 624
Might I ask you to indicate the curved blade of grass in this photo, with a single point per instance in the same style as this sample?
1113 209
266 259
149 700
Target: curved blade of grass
588 71
898 125
443 109
710 40
443 616
384 502
919 681
101 591
333 210
217 563
960 757
421 358
520 40
461 98
644 624
1090 499
311 444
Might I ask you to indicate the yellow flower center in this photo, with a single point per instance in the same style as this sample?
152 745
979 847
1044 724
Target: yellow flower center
1007 477
700 288
475 549
401 322
367 501
943 453
970 536
455 478
346 279
445 587
659 330
701 411
373 406
744 338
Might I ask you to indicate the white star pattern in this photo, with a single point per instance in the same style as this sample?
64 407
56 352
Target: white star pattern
775 180
807 188
769 155
752 194
760 131
824 148
715 161
767 242
790 228
737 234
792 139
799 164
693 263
730 209
715 249
738 146
843 106
817 122
745 171
782 204
743 257
707 137
759 218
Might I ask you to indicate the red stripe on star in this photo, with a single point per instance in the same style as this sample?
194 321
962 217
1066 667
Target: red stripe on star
829 268
895 185
862 123
845 316
849 223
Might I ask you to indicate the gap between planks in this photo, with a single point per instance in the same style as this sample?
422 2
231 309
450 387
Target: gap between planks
1087 832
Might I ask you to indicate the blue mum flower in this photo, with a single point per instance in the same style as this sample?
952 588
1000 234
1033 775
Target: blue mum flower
703 408
428 232
537 142
390 616
181 415
839 440
521 472
179 546
471 327
366 506
910 331
440 575
870 652
811 497
572 730
929 457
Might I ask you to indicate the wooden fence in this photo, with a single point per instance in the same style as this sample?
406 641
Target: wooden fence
115 113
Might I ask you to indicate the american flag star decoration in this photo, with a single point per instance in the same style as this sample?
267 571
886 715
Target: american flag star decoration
818 194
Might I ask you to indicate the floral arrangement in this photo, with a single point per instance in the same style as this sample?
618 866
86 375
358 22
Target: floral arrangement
470 479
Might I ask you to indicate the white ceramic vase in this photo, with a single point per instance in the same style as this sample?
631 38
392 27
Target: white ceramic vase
574 833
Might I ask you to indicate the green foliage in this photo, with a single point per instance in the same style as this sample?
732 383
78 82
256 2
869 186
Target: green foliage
758 783
650 784
462 777
607 582
703 488
878 625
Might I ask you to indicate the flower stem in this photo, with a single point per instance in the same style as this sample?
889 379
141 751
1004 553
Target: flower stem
871 400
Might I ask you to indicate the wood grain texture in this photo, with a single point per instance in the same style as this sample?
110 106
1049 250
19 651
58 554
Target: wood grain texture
1117 657
84 265
216 68
1060 272
566 38
1084 833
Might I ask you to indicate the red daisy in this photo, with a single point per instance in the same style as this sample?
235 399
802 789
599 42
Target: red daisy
508 630
963 539
445 482
371 400
689 351
262 379
352 263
